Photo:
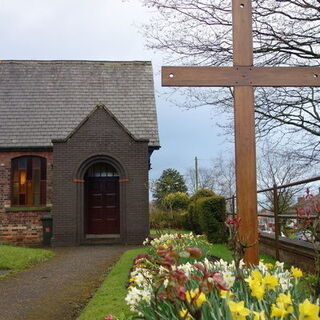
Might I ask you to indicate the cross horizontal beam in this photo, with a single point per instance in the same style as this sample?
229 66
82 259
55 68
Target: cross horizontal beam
241 76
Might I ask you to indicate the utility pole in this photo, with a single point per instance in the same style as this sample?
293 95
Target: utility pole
196 170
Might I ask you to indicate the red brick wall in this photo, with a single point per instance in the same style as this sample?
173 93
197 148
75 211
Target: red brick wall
20 227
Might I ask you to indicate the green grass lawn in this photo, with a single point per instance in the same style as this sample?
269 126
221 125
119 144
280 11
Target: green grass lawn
109 299
19 258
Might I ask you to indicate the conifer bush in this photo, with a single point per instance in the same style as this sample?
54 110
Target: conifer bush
212 216
191 221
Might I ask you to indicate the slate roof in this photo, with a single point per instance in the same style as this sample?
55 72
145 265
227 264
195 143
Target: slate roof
45 100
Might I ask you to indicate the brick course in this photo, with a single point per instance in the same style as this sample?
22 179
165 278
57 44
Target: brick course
21 227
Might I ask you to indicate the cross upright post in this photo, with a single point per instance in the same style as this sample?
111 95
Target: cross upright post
244 125
243 76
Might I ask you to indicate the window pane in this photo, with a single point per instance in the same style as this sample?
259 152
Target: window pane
15 193
29 168
102 170
22 162
36 181
22 181
35 163
27 172
15 170
22 199
29 193
43 168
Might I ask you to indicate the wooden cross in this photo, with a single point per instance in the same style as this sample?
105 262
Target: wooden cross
243 76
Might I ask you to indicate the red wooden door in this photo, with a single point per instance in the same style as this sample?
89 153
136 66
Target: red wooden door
102 205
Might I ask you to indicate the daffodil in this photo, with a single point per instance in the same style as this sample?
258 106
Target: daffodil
308 311
255 284
184 314
278 312
296 272
238 310
259 315
285 300
200 299
226 294
270 282
256 274
282 307
195 296
269 265
257 291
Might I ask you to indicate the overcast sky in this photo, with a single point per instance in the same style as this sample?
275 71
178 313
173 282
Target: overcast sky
108 30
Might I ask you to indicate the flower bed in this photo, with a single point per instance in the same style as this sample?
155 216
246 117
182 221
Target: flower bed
178 280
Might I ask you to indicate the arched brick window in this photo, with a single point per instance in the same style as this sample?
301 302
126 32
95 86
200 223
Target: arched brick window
29 179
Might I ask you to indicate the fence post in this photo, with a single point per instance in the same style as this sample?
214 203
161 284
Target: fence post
276 219
233 206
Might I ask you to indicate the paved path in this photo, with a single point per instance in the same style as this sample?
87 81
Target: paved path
58 288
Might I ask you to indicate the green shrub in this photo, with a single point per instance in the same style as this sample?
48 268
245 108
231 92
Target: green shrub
192 219
160 219
212 215
202 193
176 201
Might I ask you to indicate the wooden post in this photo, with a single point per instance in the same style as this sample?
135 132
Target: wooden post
233 206
245 151
196 172
276 220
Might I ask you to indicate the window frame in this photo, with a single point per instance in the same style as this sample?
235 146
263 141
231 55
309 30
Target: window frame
30 169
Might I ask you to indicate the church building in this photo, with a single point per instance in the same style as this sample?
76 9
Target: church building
76 139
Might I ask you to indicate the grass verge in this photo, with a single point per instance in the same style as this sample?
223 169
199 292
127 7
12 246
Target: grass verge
20 258
109 299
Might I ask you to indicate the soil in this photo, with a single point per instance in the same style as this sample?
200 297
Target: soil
60 287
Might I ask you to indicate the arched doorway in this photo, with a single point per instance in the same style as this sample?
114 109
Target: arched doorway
102 201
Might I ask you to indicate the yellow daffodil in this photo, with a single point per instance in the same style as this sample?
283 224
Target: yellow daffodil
255 284
309 311
197 297
259 315
282 307
133 279
257 291
200 299
278 312
285 300
184 314
269 265
256 274
226 294
238 310
190 295
270 282
296 272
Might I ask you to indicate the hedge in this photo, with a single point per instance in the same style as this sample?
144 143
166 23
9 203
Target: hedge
212 215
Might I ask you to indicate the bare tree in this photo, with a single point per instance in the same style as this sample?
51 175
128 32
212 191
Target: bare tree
286 33
206 179
219 177
279 168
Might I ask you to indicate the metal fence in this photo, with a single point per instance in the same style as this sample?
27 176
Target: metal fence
275 206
